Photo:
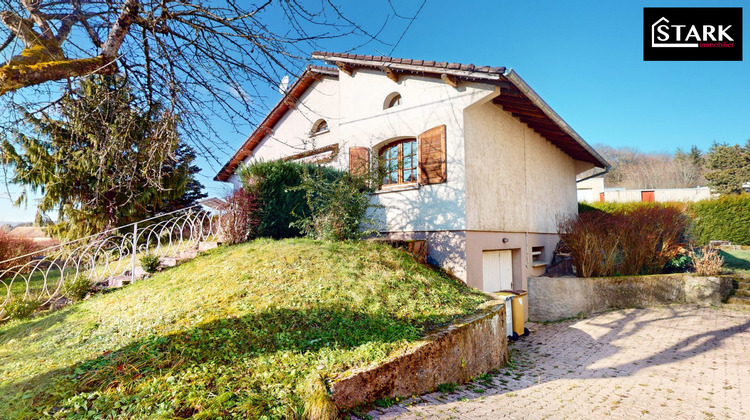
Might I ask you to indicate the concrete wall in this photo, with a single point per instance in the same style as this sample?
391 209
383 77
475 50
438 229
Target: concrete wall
454 354
551 299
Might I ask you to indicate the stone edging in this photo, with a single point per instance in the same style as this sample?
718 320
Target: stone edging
456 353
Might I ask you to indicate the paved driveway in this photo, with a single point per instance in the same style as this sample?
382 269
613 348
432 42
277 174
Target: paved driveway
679 362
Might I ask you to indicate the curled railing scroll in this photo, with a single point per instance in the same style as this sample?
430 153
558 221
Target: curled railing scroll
110 257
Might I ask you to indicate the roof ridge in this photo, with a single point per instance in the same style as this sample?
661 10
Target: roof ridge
414 62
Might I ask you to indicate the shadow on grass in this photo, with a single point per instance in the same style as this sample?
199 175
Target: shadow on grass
250 357
734 262
37 325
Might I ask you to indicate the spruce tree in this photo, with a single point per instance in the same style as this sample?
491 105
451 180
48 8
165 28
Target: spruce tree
729 167
101 159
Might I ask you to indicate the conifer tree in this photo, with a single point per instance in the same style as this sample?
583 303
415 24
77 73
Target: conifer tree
729 167
102 160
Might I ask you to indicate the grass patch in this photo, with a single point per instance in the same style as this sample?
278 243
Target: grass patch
737 261
248 331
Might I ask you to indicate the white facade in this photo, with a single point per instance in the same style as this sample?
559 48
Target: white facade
506 184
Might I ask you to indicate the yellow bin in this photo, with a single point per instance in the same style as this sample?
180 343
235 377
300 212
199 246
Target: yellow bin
517 308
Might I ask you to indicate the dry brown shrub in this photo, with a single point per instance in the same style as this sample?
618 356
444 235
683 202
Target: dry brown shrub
707 261
11 247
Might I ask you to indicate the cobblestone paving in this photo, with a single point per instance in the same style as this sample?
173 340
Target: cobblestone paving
678 362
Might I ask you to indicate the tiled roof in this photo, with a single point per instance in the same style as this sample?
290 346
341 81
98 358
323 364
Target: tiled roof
516 97
292 95
437 65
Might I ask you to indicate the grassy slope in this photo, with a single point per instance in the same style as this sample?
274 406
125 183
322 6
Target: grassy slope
246 331
737 261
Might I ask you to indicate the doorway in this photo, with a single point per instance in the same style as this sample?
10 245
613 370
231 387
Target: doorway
497 270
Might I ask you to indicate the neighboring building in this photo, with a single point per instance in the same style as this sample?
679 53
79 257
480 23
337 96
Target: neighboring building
479 165
592 190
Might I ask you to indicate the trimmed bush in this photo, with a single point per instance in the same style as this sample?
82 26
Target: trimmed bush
11 247
726 218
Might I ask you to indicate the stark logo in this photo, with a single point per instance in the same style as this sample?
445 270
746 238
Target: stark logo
692 34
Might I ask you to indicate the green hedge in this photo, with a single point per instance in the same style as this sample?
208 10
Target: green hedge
726 218
282 201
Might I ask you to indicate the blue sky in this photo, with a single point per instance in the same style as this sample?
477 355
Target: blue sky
585 58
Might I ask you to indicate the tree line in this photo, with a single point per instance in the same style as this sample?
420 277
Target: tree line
723 167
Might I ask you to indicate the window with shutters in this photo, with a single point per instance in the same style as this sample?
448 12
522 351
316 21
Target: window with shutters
399 160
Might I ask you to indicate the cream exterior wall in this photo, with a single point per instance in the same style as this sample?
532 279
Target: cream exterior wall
517 181
504 180
426 103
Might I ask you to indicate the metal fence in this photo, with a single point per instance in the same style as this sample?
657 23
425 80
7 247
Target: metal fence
109 257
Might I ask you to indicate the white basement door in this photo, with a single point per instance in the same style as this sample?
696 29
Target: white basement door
497 270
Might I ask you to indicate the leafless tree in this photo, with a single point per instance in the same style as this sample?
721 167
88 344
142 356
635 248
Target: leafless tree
199 59
638 170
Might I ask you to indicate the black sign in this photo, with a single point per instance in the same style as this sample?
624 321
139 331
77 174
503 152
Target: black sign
692 34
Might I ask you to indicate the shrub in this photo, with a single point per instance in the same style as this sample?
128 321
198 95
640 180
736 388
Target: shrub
338 202
20 308
240 218
726 218
281 202
150 262
707 261
641 240
11 247
78 288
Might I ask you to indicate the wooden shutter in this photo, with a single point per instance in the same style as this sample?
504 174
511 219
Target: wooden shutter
359 161
432 158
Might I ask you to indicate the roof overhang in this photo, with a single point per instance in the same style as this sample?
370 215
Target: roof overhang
516 96
265 128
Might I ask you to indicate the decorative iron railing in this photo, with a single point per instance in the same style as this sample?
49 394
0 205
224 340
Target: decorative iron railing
108 258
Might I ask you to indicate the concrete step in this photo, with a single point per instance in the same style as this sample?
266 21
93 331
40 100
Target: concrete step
205 246
739 300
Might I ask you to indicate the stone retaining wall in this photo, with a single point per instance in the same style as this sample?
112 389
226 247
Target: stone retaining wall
456 353
551 299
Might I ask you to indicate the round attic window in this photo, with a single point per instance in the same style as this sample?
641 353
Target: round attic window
392 100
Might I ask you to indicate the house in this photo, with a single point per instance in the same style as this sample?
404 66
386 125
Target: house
478 164
592 190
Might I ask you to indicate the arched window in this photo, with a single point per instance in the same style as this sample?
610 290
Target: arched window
392 100
399 162
320 126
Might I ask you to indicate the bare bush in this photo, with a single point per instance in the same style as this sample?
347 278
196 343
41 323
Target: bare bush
11 247
240 217
641 241
707 261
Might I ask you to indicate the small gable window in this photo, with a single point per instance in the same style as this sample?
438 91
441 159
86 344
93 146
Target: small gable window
399 162
392 100
320 126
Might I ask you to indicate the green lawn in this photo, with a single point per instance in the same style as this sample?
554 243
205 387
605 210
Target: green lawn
247 331
737 261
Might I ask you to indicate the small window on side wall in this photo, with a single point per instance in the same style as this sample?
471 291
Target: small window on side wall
394 99
320 126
